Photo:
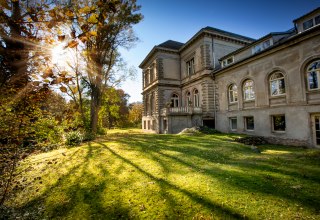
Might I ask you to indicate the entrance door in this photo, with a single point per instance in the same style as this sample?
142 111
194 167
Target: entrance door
317 129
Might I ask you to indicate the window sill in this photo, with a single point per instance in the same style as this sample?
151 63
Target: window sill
233 103
279 132
248 101
313 91
278 96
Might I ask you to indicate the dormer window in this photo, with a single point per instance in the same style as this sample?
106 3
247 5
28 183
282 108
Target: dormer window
317 20
261 46
227 61
308 24
311 22
190 67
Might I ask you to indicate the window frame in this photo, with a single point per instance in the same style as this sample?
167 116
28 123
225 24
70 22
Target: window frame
251 90
196 98
273 123
190 67
317 20
277 81
304 24
234 93
230 123
228 61
317 73
188 99
246 123
174 100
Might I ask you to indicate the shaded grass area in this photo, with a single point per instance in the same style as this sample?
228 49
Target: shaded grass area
132 175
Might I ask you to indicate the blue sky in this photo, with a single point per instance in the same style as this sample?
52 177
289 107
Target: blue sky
179 20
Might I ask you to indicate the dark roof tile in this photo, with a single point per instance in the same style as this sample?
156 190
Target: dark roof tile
170 44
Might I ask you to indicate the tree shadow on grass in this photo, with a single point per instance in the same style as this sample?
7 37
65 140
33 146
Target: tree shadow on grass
165 185
79 194
94 188
260 174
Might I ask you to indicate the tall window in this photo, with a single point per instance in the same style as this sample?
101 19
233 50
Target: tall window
152 103
190 67
248 92
233 93
146 105
313 75
174 100
277 85
188 99
151 74
196 98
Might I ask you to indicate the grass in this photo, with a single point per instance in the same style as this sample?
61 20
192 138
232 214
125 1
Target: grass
132 175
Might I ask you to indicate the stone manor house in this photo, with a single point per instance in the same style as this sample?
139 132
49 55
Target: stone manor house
268 87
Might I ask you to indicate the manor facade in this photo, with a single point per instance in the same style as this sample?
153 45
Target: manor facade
268 87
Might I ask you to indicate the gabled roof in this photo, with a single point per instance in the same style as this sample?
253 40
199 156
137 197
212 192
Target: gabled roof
171 44
218 32
305 15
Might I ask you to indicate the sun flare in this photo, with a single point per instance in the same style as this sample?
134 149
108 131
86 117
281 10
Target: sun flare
61 56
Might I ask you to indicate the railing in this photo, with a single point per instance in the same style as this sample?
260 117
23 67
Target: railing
181 110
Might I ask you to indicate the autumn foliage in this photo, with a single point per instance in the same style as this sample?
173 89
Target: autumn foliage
42 99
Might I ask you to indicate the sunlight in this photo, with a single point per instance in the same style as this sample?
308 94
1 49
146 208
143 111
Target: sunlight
61 56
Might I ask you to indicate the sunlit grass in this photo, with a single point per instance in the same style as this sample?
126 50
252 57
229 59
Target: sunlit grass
131 175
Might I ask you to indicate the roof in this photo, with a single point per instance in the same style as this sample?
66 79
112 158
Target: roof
171 44
287 33
290 38
230 34
305 15
177 47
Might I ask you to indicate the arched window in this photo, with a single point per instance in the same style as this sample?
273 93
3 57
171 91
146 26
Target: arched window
313 75
248 92
174 101
233 93
188 99
277 85
196 98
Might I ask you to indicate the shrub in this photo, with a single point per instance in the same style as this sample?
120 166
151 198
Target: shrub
207 130
73 138
88 136
252 140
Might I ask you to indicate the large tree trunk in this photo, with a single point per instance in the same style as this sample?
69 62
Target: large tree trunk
95 107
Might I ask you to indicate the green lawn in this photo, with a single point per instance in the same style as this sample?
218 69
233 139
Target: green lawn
132 175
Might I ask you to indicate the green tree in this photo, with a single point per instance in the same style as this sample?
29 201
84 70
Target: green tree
103 27
135 113
114 109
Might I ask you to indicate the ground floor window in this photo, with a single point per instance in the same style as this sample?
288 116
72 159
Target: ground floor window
144 125
249 123
233 123
278 123
148 125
